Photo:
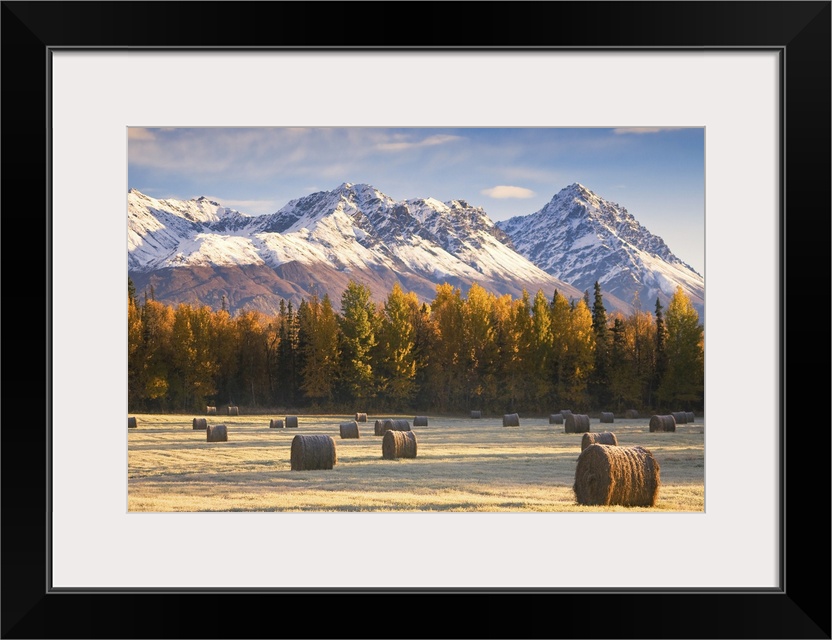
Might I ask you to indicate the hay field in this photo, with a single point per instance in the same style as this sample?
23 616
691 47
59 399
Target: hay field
462 465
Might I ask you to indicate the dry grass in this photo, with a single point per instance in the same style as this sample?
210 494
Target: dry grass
464 465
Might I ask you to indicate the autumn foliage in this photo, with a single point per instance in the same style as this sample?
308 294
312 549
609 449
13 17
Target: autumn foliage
455 353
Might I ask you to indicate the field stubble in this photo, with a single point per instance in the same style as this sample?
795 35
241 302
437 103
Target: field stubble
462 465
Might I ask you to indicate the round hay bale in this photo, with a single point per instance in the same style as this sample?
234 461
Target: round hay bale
605 437
630 414
275 423
607 416
361 417
420 421
398 444
556 418
233 411
210 411
132 423
511 420
379 430
476 415
291 422
690 419
680 417
394 425
349 429
563 412
611 475
662 423
310 452
200 423
575 423
216 433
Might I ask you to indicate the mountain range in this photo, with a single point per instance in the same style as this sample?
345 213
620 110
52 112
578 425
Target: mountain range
199 252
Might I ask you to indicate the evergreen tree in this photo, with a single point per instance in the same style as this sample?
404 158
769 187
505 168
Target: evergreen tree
624 386
661 356
600 381
131 291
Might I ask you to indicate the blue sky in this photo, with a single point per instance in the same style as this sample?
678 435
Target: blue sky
657 174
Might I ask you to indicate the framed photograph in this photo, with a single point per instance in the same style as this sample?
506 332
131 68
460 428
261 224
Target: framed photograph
754 76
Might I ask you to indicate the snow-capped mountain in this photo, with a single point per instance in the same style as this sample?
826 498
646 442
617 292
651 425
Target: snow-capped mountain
197 251
581 238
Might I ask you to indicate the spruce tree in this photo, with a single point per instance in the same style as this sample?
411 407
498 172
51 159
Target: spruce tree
600 381
661 338
131 290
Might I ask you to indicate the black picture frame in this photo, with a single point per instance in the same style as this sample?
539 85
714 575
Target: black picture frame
799 31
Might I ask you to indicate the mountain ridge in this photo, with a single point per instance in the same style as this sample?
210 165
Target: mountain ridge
315 244
582 238
353 231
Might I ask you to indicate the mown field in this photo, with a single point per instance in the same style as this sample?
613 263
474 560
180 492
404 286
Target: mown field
461 465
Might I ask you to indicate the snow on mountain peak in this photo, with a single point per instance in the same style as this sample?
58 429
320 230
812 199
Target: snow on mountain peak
576 239
582 238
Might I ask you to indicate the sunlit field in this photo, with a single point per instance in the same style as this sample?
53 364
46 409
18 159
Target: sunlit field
461 465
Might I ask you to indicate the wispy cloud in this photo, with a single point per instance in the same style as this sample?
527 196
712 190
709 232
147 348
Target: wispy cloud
505 191
430 141
642 130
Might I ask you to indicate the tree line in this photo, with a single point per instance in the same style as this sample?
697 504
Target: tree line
479 351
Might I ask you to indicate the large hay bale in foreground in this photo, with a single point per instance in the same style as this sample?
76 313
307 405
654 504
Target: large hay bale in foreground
310 452
511 420
630 414
612 475
681 417
556 418
607 416
575 423
276 423
361 417
233 411
216 433
476 415
291 422
662 423
349 429
210 411
420 421
605 437
690 417
132 423
398 444
200 423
